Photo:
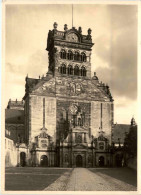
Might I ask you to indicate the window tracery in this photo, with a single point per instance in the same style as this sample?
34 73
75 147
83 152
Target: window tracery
70 55
83 57
63 69
70 70
76 70
83 71
63 54
76 56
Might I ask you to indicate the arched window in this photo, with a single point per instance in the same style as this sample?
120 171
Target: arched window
76 70
76 56
63 54
83 57
70 55
66 158
63 69
83 71
70 70
101 145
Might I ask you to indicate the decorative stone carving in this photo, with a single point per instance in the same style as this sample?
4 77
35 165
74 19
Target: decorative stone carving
74 88
73 109
78 138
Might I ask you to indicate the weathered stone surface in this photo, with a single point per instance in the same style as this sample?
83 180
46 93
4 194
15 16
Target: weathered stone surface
74 110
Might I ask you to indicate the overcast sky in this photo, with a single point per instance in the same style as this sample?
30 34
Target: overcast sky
114 55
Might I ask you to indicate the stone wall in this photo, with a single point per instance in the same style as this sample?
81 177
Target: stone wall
132 163
37 115
10 153
59 61
63 109
101 118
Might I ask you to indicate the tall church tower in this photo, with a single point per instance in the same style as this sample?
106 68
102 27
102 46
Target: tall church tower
69 52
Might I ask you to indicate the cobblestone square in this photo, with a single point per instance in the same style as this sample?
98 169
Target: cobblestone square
69 179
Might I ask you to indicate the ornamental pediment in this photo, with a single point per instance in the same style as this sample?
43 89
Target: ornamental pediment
81 88
80 146
79 129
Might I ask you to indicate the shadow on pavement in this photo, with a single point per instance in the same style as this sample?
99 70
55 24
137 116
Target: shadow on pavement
124 174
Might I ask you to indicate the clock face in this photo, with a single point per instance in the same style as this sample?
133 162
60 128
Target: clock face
72 37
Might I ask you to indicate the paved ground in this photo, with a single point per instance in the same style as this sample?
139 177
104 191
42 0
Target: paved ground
78 179
99 180
31 178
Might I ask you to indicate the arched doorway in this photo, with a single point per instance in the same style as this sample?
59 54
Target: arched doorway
118 160
101 161
44 161
22 159
79 161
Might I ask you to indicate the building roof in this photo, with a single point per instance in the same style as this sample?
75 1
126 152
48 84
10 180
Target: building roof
14 116
19 105
119 132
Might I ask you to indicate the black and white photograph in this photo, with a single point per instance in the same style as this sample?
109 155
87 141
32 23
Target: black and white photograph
70 97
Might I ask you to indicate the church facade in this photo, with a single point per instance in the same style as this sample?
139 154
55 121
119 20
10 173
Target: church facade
68 115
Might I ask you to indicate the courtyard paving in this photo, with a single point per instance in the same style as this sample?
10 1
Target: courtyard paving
68 179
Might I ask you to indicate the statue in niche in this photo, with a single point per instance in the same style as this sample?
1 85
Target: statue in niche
79 119
66 158
79 139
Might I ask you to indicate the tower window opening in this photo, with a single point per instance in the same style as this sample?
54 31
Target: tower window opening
83 71
76 56
63 69
101 145
70 55
76 70
83 57
63 54
70 70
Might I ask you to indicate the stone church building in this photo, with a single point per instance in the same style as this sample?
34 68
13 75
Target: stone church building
68 115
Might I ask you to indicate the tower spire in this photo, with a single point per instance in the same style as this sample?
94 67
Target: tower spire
72 15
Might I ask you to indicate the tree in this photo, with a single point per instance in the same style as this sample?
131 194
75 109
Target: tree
130 142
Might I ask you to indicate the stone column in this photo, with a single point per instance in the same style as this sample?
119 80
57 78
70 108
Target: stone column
85 140
82 137
73 137
93 156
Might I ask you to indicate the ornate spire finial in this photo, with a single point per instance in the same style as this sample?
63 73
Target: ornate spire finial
89 31
55 25
133 123
65 27
72 15
80 29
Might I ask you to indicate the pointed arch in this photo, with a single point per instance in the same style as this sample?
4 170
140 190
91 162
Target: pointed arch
70 55
83 71
70 70
83 57
63 69
76 70
63 54
76 56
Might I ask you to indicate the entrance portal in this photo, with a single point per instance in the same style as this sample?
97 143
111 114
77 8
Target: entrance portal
101 161
118 160
44 161
22 159
79 161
